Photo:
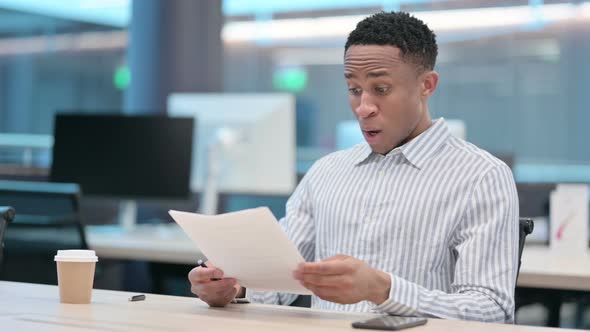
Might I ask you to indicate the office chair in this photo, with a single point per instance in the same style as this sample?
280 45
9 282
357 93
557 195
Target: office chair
6 216
525 227
48 220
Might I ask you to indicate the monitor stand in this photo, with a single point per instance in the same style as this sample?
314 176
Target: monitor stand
209 195
127 216
224 140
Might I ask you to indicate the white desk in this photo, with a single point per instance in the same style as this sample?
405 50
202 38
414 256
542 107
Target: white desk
156 243
540 268
29 307
169 244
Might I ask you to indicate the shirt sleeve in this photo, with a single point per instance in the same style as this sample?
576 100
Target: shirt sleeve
300 229
485 244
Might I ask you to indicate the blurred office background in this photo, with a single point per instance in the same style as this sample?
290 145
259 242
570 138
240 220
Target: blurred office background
515 72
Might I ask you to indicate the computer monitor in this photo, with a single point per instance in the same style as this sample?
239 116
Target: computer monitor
533 198
123 156
534 202
243 143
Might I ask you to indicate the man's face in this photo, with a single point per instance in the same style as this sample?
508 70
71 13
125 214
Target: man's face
387 95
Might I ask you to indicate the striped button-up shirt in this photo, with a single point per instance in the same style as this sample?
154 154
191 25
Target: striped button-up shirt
437 213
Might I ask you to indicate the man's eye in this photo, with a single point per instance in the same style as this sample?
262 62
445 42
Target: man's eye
354 91
382 89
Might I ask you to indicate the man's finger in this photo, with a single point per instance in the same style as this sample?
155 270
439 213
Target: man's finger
338 257
201 274
213 287
332 281
333 267
221 298
220 285
325 293
227 294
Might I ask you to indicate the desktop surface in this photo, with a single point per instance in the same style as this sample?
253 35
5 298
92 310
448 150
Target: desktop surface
543 268
32 307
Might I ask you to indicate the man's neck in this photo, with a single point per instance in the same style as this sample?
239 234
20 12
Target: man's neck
424 123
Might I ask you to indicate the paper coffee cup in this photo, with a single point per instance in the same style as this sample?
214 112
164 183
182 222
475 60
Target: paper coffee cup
75 275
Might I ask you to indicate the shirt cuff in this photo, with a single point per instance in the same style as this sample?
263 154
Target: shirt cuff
260 297
403 298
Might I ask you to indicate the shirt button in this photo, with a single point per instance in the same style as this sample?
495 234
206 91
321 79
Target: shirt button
381 173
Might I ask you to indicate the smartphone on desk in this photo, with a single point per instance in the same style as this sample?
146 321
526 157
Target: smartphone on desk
389 323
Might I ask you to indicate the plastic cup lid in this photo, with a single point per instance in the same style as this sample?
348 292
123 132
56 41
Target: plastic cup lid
76 256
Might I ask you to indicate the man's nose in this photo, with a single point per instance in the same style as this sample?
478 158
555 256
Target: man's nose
366 108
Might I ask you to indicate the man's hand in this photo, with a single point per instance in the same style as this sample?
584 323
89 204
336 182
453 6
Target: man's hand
344 279
216 293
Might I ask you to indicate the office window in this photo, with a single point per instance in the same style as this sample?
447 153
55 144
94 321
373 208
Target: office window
54 55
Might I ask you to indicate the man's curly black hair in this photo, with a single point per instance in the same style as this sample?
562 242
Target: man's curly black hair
415 40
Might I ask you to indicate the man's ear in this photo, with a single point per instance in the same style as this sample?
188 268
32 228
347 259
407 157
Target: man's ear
429 83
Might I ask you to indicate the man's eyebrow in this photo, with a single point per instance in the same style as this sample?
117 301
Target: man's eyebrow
375 74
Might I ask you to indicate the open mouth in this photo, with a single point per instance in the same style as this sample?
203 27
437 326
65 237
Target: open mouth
372 136
371 133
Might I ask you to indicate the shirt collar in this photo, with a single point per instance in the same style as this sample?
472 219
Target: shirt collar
419 149
363 154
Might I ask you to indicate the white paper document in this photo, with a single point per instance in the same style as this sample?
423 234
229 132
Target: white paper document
248 245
